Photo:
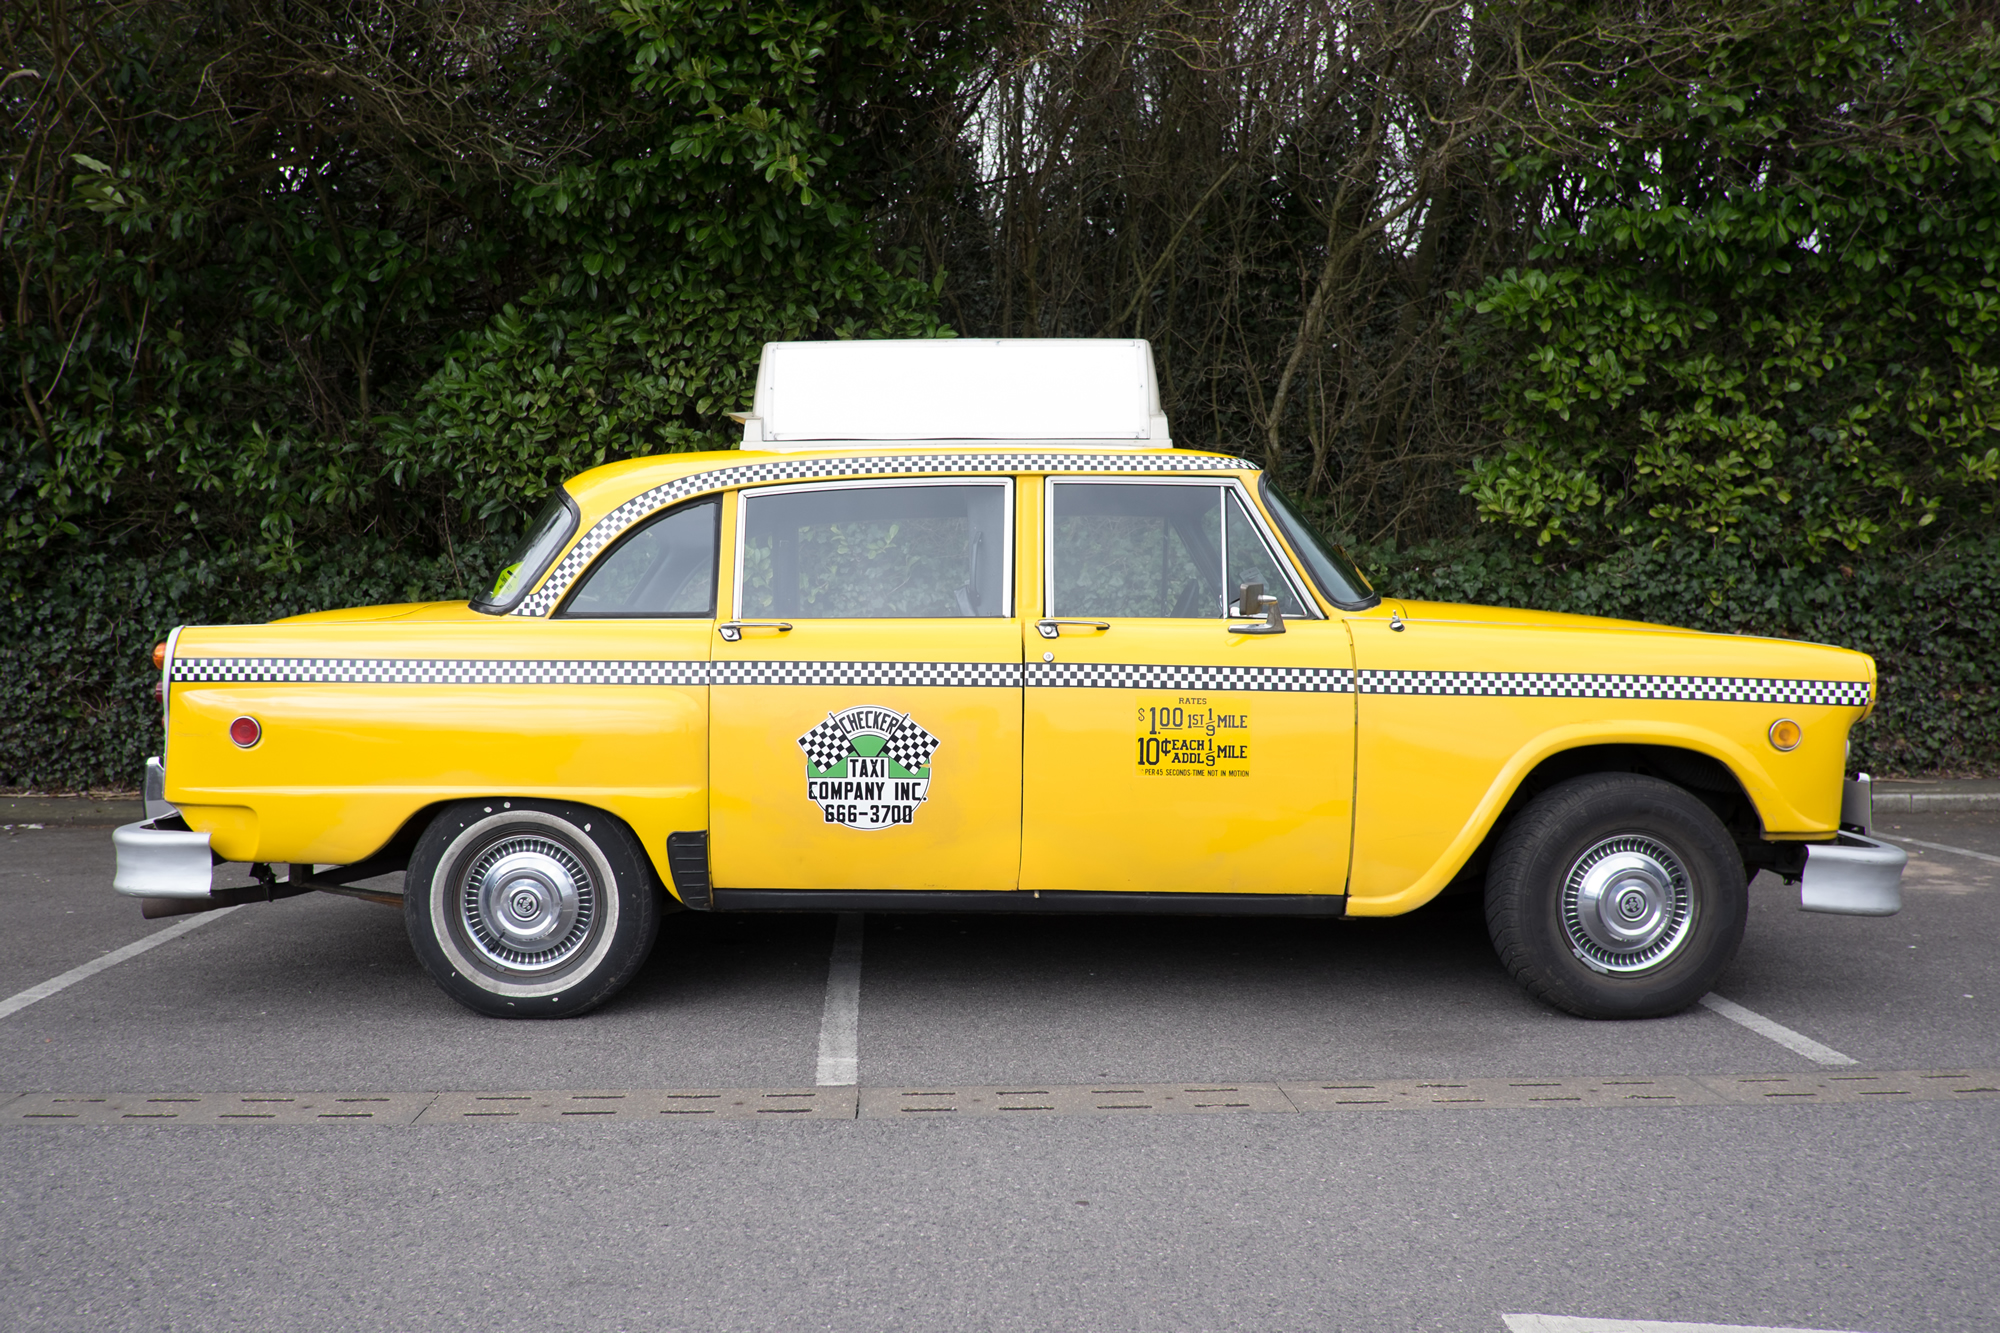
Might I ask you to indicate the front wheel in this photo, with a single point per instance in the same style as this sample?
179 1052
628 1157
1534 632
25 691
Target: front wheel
1616 896
530 909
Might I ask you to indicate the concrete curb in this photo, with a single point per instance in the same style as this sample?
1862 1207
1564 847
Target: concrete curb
1915 798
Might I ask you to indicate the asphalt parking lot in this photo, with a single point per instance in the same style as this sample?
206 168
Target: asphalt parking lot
274 1118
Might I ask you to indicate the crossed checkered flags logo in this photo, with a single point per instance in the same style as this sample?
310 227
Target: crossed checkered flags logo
826 744
830 742
910 745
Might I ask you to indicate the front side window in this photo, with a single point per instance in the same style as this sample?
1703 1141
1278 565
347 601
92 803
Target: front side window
663 568
875 552
1140 550
537 549
1158 550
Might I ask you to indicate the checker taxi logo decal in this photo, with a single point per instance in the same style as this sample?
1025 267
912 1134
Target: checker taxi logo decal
868 767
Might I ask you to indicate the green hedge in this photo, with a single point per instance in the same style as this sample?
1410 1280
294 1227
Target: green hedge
76 692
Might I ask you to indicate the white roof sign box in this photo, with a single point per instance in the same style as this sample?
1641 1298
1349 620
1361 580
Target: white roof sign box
937 390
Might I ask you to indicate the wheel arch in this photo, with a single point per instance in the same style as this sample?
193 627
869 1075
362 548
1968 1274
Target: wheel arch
1708 766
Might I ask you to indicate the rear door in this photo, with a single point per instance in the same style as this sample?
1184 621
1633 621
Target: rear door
866 692
1167 752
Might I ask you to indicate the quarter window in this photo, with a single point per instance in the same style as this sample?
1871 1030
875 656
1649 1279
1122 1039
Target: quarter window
876 552
666 567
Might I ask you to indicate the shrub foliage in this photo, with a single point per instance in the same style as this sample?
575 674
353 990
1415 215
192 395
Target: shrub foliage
309 302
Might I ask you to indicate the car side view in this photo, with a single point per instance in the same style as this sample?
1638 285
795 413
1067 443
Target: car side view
959 629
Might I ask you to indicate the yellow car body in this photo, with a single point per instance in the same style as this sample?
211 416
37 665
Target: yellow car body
1378 794
1051 739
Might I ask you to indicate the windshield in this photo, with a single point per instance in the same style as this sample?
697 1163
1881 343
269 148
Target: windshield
546 536
1336 575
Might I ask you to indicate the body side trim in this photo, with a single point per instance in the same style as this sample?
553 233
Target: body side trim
901 900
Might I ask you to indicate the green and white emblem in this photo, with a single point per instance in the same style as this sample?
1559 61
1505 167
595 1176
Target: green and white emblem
868 767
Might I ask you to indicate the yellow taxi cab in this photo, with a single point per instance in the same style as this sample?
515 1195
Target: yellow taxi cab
958 628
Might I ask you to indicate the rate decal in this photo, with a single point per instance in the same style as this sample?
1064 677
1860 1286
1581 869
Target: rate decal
1187 736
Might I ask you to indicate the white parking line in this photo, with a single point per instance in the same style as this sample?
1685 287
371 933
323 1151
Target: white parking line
1560 1323
1941 847
840 1020
1778 1032
14 1004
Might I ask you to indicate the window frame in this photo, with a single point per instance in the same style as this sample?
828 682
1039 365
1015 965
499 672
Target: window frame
576 587
491 606
1280 557
746 496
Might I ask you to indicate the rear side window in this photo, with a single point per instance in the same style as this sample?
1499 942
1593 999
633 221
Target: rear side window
876 552
663 568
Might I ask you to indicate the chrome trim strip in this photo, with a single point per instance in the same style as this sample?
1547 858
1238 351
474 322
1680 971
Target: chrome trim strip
1012 675
1134 676
1600 685
161 863
1854 876
438 671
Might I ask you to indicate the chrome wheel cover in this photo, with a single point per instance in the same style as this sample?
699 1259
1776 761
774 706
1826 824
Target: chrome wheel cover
527 904
1627 905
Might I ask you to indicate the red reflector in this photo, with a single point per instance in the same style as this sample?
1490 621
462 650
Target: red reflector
245 731
159 692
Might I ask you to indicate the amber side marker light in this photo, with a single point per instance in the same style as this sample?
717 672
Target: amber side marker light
245 731
1786 734
159 654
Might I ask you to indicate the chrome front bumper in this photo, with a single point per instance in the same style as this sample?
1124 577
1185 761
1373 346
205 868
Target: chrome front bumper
1854 875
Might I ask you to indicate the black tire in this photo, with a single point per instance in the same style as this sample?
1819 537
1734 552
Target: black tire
481 945
1616 896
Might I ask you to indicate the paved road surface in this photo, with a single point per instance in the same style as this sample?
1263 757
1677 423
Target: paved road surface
1833 1211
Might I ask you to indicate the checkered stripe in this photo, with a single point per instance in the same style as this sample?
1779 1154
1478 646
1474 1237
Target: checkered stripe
1005 675
434 671
1579 685
1128 676
810 468
825 745
910 745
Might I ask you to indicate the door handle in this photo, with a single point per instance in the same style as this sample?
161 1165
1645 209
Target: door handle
1052 629
732 630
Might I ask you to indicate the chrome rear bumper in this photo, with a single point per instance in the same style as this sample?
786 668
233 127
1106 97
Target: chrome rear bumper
157 862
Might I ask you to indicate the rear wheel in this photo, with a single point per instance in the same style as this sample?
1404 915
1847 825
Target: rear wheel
530 909
1616 896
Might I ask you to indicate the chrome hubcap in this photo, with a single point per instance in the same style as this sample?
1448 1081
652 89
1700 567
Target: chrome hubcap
1626 904
527 904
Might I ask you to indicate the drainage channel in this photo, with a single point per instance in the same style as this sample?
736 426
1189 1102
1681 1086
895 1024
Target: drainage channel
1019 1101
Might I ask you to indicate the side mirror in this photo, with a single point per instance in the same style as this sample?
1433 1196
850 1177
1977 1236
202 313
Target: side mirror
1250 601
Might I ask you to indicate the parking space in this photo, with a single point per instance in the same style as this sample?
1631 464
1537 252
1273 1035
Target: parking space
1838 1214
321 992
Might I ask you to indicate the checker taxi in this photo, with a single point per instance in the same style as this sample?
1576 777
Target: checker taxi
958 628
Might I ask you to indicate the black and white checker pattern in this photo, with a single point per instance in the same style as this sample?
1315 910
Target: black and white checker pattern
434 671
826 744
1004 675
814 468
1130 676
910 745
1589 685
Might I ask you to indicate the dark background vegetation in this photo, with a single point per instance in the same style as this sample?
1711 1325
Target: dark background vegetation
1685 313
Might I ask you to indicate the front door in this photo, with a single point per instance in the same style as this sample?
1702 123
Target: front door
866 694
1167 752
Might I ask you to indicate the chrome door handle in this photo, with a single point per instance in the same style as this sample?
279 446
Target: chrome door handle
732 630
1052 629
